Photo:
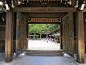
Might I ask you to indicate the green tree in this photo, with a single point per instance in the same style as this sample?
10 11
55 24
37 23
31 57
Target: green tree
36 27
52 27
42 27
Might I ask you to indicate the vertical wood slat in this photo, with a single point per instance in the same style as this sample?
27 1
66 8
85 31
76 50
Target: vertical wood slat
9 36
60 36
27 34
17 33
63 35
80 37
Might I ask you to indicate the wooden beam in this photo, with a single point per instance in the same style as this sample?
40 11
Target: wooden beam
9 36
42 5
44 15
45 0
80 37
44 22
44 9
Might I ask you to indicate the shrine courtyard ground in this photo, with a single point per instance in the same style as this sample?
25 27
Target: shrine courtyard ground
41 60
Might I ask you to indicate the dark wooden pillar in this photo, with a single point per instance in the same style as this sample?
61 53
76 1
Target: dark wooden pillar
60 36
80 36
9 36
27 34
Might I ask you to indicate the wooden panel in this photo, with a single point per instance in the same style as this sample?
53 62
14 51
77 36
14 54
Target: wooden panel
68 34
21 36
2 35
63 34
71 34
2 28
2 46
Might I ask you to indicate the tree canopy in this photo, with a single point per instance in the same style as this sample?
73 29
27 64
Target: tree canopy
36 27
52 27
42 27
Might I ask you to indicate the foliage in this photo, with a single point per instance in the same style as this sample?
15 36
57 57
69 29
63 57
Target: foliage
42 27
52 27
36 27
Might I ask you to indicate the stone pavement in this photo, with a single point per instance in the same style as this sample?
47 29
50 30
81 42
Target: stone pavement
2 56
44 60
41 60
43 45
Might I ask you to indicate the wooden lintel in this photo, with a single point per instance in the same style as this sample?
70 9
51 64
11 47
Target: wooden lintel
45 15
44 9
44 22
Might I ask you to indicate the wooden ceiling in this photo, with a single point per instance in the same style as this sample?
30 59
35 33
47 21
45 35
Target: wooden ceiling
59 3
44 9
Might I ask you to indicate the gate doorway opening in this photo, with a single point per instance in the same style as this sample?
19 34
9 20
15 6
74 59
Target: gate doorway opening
44 37
44 40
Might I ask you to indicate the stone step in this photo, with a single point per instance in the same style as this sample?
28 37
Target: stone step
58 51
44 52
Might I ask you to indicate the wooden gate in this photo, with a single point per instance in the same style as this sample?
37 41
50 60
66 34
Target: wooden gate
68 34
21 35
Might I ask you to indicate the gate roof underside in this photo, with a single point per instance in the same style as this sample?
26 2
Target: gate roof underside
44 10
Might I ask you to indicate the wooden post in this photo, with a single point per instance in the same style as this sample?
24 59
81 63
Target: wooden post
34 34
9 36
80 36
60 36
40 35
27 34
